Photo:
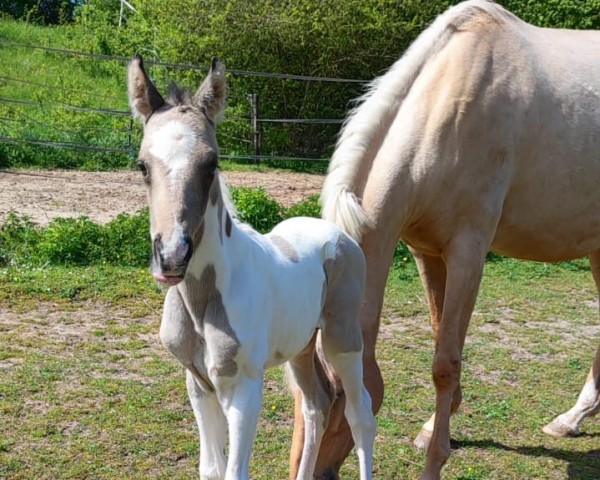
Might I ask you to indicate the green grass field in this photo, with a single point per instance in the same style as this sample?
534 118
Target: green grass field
88 391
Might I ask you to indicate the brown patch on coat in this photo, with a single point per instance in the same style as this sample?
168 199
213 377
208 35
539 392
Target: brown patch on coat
344 289
220 339
285 247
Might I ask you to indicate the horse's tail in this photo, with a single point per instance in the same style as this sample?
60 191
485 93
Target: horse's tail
367 125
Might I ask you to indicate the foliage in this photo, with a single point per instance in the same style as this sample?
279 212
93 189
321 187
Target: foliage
43 12
309 207
76 241
255 207
576 14
352 39
47 97
19 237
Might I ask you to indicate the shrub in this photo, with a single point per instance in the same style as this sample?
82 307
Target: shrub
76 241
310 207
257 208
19 237
127 239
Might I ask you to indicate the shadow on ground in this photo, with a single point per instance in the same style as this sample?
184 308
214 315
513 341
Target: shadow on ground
580 465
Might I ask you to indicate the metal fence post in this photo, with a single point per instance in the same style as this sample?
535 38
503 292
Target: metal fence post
254 119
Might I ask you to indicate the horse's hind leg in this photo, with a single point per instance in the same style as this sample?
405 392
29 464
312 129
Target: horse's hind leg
433 276
588 402
378 247
315 407
343 346
358 410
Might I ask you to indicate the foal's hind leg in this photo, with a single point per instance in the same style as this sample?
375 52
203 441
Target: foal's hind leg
343 346
433 276
378 246
588 402
358 409
315 405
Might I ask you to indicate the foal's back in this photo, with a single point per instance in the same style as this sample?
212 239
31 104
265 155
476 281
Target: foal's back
314 268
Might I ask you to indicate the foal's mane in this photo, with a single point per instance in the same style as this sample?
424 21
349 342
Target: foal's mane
227 200
179 95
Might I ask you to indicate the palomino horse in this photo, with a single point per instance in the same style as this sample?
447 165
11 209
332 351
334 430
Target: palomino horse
484 136
240 302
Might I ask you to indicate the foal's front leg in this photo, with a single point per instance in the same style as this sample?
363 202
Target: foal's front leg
212 426
241 404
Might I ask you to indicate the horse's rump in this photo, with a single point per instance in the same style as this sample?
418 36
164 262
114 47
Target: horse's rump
484 109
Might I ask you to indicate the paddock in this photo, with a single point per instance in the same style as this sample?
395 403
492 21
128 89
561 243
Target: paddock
87 389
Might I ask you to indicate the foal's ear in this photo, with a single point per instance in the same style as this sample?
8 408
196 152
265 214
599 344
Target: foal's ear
210 96
143 95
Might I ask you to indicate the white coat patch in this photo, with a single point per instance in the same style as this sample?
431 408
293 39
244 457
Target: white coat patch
173 144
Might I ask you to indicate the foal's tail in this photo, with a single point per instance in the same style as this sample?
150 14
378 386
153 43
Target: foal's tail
367 125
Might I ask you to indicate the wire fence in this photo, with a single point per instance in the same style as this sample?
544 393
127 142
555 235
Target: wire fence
25 117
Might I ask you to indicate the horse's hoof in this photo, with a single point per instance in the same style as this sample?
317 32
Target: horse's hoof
327 474
423 439
557 428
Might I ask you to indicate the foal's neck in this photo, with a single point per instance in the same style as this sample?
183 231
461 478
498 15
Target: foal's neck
222 243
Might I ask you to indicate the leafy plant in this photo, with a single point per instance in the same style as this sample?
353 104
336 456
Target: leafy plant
257 208
309 207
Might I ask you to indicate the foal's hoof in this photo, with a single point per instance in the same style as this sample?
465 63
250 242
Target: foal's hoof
423 439
557 428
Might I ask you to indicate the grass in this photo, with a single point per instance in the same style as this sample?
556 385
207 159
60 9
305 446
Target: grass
87 391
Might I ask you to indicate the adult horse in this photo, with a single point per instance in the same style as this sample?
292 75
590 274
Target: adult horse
484 136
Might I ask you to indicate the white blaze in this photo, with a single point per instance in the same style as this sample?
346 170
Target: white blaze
173 144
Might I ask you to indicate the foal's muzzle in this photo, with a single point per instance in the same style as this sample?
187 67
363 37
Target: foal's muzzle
170 261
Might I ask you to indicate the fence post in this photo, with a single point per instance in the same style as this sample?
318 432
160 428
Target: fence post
254 119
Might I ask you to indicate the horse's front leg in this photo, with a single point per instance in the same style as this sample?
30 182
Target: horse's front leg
432 271
464 257
177 333
212 426
241 404
588 402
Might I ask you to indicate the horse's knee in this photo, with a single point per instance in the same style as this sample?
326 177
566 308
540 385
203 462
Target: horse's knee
446 372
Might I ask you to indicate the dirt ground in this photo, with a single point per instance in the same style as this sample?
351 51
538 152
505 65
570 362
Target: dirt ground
101 196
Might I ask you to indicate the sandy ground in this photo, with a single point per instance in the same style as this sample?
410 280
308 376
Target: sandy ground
44 195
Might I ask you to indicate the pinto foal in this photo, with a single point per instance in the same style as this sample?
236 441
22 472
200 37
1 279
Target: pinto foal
240 302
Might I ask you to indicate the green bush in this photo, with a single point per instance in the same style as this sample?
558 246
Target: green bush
310 207
257 208
74 241
19 237
127 239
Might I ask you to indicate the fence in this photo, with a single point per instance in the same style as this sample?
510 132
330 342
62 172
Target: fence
25 116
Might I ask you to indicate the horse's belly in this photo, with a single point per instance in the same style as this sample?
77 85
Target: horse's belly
553 240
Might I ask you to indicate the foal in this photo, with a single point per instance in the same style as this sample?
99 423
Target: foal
240 302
